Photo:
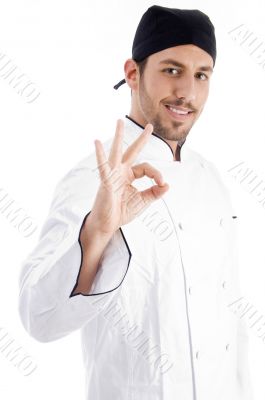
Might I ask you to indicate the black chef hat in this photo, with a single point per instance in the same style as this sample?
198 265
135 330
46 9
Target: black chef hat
163 27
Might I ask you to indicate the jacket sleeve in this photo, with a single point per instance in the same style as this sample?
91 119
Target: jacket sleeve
47 306
243 371
244 379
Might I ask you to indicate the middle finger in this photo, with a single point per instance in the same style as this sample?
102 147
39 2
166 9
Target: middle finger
115 155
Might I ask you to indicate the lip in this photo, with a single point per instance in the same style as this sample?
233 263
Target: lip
178 117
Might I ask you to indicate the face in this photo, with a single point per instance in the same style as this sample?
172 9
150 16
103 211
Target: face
172 91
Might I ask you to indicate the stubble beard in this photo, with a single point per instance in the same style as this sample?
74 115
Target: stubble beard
176 132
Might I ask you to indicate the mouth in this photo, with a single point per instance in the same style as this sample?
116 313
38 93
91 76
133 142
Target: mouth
179 114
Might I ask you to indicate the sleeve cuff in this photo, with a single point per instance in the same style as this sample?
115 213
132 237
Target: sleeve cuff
113 265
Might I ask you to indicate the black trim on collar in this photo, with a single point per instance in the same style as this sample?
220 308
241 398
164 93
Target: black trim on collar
159 137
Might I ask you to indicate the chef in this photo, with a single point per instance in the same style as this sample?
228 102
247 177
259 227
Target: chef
139 247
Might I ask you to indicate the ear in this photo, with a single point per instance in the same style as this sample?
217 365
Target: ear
131 71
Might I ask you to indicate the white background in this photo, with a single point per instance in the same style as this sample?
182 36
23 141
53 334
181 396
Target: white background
74 52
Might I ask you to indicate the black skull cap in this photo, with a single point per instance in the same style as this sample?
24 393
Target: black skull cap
163 27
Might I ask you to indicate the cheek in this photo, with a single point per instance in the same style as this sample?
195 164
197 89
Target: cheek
154 87
155 93
202 97
204 92
158 86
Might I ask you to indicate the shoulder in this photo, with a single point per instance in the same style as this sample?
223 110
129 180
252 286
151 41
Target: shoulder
80 182
85 168
211 170
194 155
216 176
205 162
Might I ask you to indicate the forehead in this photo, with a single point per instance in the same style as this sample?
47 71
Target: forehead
187 54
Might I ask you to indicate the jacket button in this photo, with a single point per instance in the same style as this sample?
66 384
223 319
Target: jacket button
224 284
180 226
221 222
227 347
197 354
189 290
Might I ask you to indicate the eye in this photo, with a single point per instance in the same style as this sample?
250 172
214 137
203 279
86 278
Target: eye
205 76
202 76
171 69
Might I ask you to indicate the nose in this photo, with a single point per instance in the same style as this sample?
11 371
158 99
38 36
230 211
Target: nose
185 88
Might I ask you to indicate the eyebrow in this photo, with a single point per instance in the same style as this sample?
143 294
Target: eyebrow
179 64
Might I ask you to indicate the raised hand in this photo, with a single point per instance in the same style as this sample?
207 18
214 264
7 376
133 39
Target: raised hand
118 202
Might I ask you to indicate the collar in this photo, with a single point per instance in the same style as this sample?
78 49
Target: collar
156 147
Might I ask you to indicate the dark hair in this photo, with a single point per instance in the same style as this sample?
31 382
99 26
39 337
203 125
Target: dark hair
141 65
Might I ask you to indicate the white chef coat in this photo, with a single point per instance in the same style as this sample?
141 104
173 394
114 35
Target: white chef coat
156 324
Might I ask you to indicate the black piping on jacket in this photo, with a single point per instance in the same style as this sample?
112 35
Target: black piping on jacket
79 241
159 137
129 251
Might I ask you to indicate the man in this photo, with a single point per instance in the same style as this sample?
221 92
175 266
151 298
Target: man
147 271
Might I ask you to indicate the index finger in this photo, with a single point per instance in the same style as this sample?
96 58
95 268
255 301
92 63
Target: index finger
133 150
